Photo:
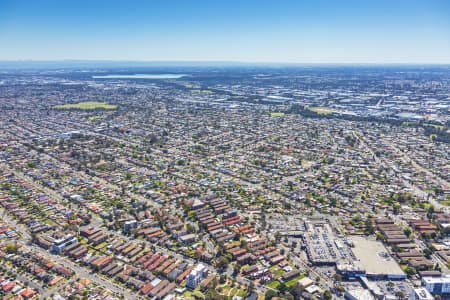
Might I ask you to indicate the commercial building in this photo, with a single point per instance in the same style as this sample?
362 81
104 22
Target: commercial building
358 294
351 271
437 285
373 257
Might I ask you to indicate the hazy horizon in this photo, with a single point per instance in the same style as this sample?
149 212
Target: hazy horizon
288 32
194 63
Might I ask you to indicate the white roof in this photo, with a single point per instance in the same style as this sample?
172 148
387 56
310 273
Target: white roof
360 294
423 294
305 281
155 281
313 289
436 279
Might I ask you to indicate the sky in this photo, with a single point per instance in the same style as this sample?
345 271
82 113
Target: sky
288 31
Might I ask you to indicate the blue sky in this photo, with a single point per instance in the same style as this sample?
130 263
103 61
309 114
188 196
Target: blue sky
313 31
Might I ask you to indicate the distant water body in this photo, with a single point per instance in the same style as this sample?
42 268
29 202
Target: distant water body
140 76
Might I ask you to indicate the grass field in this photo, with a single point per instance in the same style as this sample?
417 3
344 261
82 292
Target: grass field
321 110
294 280
229 291
88 105
445 202
273 284
278 273
276 114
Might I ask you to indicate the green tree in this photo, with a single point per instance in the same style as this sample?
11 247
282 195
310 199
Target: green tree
410 271
296 290
270 294
407 231
430 212
11 248
222 262
327 295
427 252
282 288
222 279
369 227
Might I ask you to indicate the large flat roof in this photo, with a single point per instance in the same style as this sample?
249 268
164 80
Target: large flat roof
374 257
